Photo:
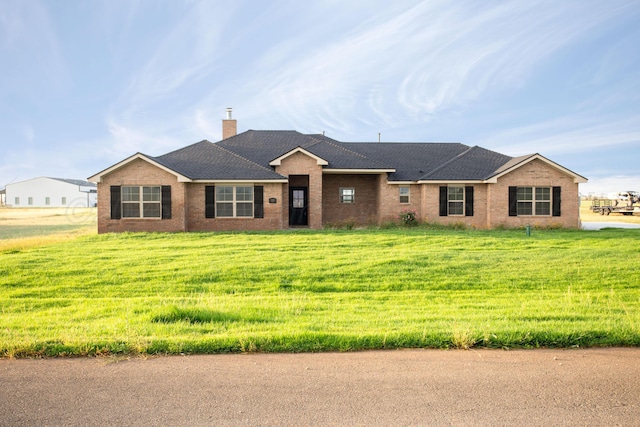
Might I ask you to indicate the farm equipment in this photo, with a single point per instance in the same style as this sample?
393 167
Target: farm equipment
625 203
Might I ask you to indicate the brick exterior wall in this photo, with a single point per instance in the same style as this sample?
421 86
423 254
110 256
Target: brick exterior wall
432 206
140 172
376 200
389 206
301 164
534 174
363 211
196 220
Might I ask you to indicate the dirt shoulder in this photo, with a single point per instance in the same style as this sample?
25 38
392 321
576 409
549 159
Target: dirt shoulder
403 387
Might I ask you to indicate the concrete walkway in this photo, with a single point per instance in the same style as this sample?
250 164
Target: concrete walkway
594 387
601 225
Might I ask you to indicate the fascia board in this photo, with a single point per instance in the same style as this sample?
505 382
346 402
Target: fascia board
357 171
402 182
452 181
240 181
98 177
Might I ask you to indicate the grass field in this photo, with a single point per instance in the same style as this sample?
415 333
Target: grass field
29 227
139 293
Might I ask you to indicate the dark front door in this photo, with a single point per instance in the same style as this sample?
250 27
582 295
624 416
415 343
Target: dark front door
298 212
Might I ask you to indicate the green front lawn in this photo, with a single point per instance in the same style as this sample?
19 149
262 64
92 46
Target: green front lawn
320 291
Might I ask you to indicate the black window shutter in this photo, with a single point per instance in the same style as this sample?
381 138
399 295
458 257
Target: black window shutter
556 201
116 212
209 201
258 201
443 201
468 196
513 201
166 202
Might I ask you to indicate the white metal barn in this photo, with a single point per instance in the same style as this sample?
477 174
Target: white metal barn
45 192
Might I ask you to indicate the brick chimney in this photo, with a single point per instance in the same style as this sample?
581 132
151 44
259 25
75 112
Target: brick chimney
229 126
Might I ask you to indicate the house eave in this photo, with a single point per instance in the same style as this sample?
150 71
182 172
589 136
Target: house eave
452 181
237 181
357 171
97 178
402 182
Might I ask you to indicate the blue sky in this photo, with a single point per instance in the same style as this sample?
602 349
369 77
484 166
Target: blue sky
85 84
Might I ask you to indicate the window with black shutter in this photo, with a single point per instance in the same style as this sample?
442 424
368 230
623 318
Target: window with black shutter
166 202
468 201
456 200
258 201
556 201
116 211
513 201
209 201
443 201
234 201
534 201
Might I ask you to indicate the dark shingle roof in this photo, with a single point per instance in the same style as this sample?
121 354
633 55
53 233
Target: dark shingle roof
264 146
206 160
341 156
411 160
261 147
246 156
476 163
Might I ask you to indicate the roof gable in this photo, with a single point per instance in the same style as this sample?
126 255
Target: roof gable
517 162
278 161
138 156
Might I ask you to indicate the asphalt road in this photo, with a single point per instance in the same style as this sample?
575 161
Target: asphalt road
593 387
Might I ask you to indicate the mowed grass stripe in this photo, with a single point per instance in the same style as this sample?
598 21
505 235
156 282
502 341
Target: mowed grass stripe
320 291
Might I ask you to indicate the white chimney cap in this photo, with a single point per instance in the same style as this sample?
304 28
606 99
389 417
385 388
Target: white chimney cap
229 109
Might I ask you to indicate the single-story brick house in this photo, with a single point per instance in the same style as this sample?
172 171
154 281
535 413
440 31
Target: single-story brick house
272 180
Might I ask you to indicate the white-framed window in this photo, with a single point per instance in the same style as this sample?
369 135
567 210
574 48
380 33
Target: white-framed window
30 201
347 195
455 200
64 200
534 201
16 201
234 201
47 201
404 193
141 202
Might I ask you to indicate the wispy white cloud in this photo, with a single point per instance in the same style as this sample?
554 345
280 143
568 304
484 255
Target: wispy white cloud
432 57
351 68
567 134
186 52
124 139
162 101
405 63
29 44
